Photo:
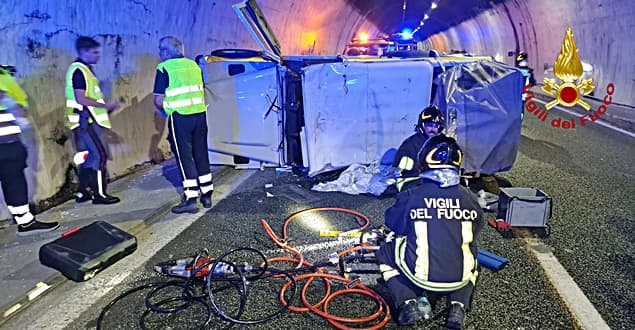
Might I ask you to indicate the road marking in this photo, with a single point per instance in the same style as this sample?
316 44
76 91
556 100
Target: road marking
599 122
578 304
40 288
79 297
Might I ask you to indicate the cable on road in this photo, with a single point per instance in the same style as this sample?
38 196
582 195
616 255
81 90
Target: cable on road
215 275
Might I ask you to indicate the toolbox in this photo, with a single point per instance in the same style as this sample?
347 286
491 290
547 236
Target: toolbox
524 207
83 252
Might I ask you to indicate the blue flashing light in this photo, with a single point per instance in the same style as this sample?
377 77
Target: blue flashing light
406 34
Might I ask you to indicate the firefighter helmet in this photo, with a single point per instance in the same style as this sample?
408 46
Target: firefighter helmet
440 152
430 116
521 59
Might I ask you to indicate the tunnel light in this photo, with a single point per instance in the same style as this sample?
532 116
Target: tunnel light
421 23
426 16
433 5
363 37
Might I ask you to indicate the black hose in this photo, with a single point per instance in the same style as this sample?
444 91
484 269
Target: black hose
188 295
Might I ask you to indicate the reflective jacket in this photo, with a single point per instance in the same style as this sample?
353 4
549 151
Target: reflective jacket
184 93
9 129
406 158
93 92
437 230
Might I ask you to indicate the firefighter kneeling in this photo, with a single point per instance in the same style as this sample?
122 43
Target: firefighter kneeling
435 251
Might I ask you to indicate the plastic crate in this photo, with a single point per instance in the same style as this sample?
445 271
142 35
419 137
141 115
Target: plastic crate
524 207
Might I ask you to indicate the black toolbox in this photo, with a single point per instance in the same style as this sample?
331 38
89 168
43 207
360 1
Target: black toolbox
81 253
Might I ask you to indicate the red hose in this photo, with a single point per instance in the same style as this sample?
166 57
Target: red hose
336 321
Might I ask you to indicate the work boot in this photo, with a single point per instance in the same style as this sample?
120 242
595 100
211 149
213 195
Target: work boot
106 199
187 206
99 193
408 314
424 308
83 194
206 200
36 227
456 316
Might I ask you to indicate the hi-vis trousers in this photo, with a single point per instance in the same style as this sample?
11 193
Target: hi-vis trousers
188 140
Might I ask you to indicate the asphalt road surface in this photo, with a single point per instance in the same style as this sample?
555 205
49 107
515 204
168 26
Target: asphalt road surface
588 172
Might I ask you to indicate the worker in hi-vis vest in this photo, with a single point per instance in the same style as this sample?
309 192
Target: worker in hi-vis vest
13 156
178 94
87 116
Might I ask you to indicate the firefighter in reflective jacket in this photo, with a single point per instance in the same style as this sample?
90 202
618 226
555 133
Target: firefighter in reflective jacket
87 116
178 93
13 156
429 123
436 224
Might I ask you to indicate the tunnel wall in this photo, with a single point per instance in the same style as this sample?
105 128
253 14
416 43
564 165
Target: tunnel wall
37 36
603 32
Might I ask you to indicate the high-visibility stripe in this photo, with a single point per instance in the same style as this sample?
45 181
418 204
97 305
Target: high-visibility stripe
406 163
24 219
400 258
387 272
207 188
100 186
190 193
6 117
10 130
17 210
468 258
101 117
422 265
176 147
402 181
73 118
205 178
183 90
183 103
73 104
190 183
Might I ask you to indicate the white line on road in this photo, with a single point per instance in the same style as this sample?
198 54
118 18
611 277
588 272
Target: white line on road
599 122
578 304
64 306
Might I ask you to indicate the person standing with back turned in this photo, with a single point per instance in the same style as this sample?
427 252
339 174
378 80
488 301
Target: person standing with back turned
178 92
87 116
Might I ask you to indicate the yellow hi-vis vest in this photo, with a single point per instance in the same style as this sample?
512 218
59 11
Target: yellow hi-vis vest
10 87
92 92
184 93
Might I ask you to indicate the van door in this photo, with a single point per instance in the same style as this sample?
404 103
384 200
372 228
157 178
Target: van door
243 116
255 22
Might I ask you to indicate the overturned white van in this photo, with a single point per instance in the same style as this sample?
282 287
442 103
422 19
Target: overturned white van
317 112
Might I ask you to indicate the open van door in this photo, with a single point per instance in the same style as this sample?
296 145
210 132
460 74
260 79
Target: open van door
255 22
243 94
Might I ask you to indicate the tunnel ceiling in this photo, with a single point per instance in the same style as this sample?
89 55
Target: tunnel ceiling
388 15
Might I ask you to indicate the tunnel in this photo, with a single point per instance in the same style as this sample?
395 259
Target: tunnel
38 39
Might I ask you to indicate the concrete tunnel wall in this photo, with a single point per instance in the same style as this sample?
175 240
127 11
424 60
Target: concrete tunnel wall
603 31
38 38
